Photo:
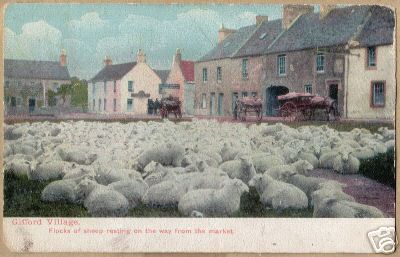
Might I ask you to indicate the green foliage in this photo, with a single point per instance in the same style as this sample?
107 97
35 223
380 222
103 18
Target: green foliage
380 168
51 97
79 94
64 90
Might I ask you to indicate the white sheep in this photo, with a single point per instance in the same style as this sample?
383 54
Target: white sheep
334 208
342 162
61 190
49 170
165 154
242 169
277 194
76 171
228 152
299 167
100 200
264 161
214 202
328 191
133 190
20 167
111 175
164 194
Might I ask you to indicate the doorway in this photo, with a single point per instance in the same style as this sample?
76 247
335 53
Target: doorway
212 103
271 99
333 92
235 96
32 103
220 104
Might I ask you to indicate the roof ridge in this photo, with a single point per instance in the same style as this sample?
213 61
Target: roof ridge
26 60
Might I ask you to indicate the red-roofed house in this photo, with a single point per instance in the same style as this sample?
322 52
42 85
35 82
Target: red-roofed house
180 82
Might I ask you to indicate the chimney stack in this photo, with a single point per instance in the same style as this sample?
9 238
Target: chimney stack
107 60
260 19
177 56
224 33
63 58
292 11
140 56
325 9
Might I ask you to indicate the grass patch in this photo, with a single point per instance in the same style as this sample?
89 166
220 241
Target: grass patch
22 199
380 168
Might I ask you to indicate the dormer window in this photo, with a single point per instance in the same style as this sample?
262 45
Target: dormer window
371 57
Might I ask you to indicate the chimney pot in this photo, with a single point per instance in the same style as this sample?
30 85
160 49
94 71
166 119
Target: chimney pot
140 56
107 60
63 58
292 11
224 33
260 19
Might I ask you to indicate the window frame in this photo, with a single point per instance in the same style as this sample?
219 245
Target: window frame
219 73
94 104
130 83
372 92
245 69
115 86
93 89
114 104
367 59
105 104
99 103
308 86
127 104
283 56
321 65
7 84
205 75
203 101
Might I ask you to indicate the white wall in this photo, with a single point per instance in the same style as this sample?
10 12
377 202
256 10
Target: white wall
359 83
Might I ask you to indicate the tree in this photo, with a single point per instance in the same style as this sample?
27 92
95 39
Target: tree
51 97
64 90
79 95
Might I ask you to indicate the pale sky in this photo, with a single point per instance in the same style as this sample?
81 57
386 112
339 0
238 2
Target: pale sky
88 32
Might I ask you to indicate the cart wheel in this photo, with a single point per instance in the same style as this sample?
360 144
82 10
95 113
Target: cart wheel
288 110
307 114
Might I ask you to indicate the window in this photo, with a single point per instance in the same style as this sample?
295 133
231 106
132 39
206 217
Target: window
115 105
371 56
245 74
19 101
129 104
253 94
281 65
7 84
378 94
99 104
308 89
203 101
219 73
19 83
244 94
115 86
94 104
205 75
105 104
93 88
130 86
320 62
105 87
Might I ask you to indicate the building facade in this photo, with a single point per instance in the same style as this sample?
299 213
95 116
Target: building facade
123 88
26 83
319 53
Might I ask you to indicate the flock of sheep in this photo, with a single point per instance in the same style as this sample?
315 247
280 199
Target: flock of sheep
201 167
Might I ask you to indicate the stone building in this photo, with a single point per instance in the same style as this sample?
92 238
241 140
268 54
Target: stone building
123 88
27 82
320 53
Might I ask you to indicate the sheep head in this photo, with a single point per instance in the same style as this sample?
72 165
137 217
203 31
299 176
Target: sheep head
239 185
303 167
84 188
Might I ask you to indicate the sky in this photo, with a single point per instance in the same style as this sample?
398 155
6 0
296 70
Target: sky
89 32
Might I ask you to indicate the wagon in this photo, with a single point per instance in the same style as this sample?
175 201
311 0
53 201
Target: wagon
248 105
303 105
169 105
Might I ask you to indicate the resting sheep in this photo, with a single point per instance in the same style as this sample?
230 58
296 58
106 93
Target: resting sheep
264 161
164 194
132 189
299 167
277 194
334 208
165 154
242 169
214 202
342 162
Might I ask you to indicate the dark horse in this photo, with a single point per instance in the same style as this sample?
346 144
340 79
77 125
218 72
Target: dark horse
326 103
170 105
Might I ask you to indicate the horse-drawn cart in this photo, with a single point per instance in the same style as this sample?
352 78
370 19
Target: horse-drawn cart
169 105
296 106
247 105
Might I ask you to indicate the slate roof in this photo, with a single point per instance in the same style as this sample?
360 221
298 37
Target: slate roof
113 72
187 68
261 38
379 28
162 74
26 69
309 31
228 47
